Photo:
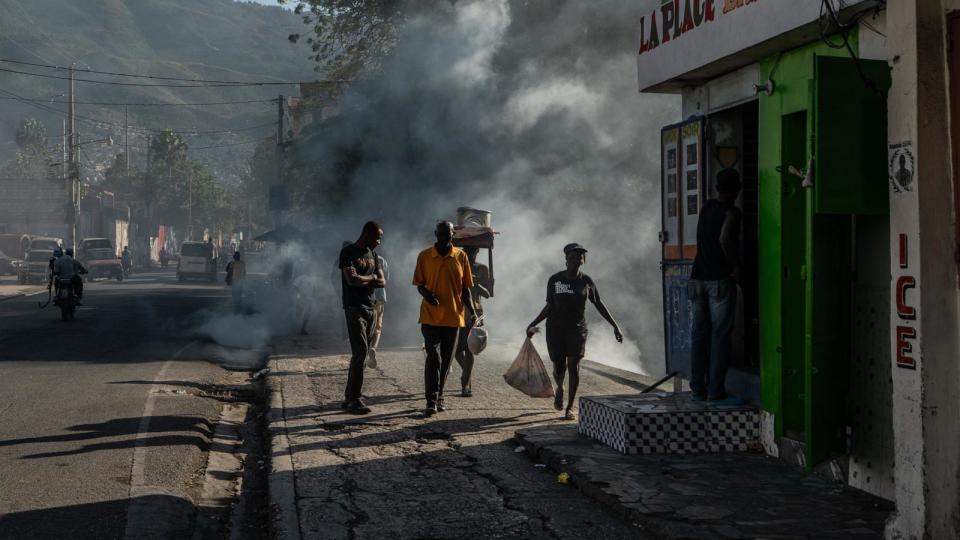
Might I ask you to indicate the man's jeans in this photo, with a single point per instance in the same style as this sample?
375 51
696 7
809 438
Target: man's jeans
713 308
440 343
359 326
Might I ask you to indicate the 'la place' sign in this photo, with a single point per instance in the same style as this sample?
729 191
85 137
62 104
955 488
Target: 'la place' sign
681 36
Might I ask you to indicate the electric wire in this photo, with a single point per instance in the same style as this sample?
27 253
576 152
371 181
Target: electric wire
143 104
135 129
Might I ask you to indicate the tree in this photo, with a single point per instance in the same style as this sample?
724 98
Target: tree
33 158
349 36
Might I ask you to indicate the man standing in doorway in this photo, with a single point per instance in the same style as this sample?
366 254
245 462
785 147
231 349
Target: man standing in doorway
713 291
359 277
464 356
443 277
379 303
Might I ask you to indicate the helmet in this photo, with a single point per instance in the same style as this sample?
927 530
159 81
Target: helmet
477 340
57 252
70 252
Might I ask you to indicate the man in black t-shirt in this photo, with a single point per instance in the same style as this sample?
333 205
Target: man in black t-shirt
565 312
359 276
712 290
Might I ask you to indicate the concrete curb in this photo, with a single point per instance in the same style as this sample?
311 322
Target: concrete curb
282 483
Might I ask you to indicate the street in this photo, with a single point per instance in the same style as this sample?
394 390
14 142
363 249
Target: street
105 421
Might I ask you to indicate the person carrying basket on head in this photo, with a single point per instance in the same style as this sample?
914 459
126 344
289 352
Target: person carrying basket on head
567 295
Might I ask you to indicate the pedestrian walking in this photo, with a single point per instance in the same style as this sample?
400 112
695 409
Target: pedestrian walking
712 290
359 277
465 356
565 313
163 257
443 278
379 304
236 275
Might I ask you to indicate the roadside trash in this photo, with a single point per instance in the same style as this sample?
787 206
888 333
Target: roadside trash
261 373
519 449
540 465
527 373
563 478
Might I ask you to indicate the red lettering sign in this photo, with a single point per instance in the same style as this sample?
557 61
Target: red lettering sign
676 18
905 347
905 312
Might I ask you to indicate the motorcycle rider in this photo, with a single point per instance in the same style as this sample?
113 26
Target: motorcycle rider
66 267
126 260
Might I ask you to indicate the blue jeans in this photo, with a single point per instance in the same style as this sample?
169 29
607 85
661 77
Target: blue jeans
713 308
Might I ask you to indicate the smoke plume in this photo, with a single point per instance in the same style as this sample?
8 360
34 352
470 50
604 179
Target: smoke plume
528 109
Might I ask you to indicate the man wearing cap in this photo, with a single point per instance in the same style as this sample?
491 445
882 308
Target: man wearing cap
567 295
443 278
712 290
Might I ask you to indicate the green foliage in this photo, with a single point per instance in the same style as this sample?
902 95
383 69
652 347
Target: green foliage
31 135
349 37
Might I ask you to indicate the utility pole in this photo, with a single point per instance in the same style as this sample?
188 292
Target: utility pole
278 156
126 147
74 173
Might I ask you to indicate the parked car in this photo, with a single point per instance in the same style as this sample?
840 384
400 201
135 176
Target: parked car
44 243
35 268
100 259
8 265
196 261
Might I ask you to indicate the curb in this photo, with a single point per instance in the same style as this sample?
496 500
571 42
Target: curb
282 483
12 296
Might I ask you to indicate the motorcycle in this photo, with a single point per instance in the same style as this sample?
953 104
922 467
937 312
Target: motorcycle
64 298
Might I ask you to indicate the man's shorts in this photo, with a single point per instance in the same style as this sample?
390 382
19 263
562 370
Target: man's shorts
563 344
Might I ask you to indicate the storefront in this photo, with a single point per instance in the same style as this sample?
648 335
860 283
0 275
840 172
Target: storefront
772 91
842 118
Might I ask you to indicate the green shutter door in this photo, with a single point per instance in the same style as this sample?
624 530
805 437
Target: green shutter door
850 178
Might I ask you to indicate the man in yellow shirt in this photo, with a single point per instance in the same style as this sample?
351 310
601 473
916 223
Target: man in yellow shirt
443 278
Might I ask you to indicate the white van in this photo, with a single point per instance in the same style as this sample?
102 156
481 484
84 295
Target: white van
197 260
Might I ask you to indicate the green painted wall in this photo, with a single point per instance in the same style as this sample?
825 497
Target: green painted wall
785 139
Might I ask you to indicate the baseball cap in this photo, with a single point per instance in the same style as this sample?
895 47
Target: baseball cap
573 247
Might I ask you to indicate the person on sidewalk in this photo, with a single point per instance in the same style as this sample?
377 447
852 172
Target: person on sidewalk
565 312
379 303
712 290
443 278
464 357
359 277
236 275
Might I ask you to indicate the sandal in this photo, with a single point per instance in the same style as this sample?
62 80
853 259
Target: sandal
569 415
558 399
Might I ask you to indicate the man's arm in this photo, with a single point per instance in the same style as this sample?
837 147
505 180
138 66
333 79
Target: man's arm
467 298
531 328
428 296
379 280
730 240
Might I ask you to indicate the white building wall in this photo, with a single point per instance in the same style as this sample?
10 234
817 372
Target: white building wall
924 320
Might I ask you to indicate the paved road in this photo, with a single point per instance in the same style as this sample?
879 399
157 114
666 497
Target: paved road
84 429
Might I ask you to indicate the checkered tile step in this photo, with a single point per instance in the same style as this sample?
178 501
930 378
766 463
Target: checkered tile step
661 423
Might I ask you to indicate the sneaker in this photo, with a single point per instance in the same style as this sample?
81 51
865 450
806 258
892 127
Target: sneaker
569 415
466 392
430 411
441 407
372 359
358 407
558 399
345 404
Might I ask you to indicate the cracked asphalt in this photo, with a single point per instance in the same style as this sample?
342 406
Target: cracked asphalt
459 474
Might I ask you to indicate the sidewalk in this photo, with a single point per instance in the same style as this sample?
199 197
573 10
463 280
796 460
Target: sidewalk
733 495
392 473
10 288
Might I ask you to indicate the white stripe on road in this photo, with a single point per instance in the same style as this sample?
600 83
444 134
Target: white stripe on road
138 514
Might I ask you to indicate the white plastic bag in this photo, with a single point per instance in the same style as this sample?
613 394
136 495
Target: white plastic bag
527 373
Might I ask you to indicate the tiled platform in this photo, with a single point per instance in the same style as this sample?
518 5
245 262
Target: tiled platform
666 423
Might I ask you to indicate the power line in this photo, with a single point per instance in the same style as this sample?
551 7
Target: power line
132 75
195 83
133 128
119 104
